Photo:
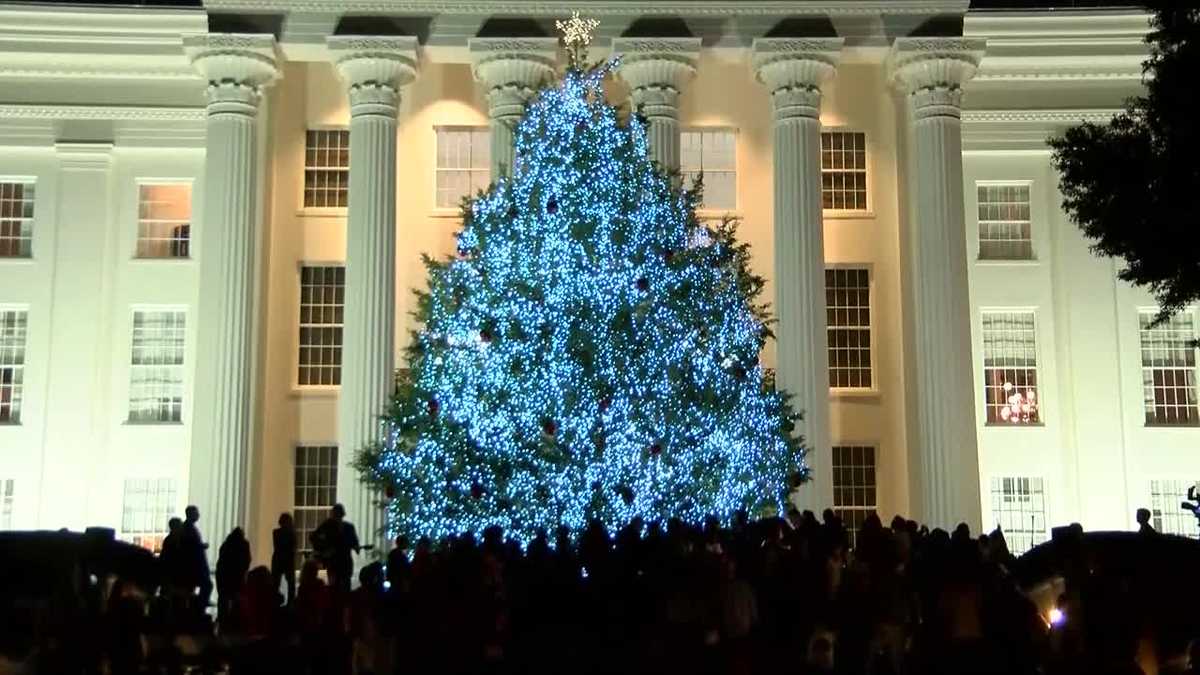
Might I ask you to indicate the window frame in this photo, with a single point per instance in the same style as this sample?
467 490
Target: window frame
299 388
1170 506
8 502
321 511
137 218
158 530
25 180
1035 537
1191 312
304 209
1039 387
705 211
868 172
485 129
1033 251
182 366
18 394
833 466
873 390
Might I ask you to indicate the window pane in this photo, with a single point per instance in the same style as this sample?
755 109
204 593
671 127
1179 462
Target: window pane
847 299
156 366
1011 394
146 507
1169 369
1004 226
463 164
712 152
327 167
854 496
844 170
16 219
322 297
1019 510
315 480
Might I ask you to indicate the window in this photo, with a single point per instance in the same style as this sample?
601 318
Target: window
853 485
13 329
156 373
164 220
1004 226
1167 516
714 153
1010 382
148 504
848 321
1019 508
6 504
844 170
315 492
327 167
1169 370
322 297
464 155
16 219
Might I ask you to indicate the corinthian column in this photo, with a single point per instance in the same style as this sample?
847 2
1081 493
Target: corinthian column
656 70
793 70
945 460
373 69
512 69
236 68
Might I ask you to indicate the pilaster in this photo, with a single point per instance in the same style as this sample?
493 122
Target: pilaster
656 70
512 70
793 71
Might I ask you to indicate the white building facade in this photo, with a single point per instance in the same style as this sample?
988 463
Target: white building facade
211 218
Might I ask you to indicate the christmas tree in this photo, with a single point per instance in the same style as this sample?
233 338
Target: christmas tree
591 351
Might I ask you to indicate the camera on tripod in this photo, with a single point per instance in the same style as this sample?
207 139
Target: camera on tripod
1192 505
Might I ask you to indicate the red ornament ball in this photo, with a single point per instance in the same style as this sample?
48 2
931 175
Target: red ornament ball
476 490
552 206
549 427
605 403
668 256
643 284
434 407
655 450
485 335
389 492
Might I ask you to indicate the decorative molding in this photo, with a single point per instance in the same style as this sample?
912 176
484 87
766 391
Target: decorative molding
403 45
685 48
795 64
99 112
601 7
487 45
362 61
234 58
932 71
1075 116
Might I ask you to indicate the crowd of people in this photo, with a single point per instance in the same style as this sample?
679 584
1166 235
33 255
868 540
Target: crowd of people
780 595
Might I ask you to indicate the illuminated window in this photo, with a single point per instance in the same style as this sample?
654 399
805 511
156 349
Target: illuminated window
327 167
322 301
853 485
1166 510
1019 510
1004 226
315 492
156 371
164 220
464 155
1010 379
712 152
848 321
13 329
6 504
16 219
844 171
1169 370
148 504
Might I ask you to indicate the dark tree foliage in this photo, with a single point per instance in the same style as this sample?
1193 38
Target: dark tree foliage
1133 185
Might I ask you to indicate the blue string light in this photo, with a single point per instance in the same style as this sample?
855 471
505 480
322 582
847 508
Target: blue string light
591 352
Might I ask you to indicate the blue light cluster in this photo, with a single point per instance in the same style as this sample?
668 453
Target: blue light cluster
591 352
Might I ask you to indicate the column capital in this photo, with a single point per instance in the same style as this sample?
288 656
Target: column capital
932 72
236 65
512 69
657 63
374 69
793 70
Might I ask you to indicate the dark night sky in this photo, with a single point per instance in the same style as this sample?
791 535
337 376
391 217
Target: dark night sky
975 4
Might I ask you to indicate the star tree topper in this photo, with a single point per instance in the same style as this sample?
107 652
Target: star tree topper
576 36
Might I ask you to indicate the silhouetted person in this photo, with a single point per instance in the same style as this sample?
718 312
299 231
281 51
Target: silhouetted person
398 565
233 562
283 555
169 555
333 542
194 557
1143 521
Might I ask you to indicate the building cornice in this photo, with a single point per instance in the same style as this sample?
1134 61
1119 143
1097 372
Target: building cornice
1023 130
603 7
1071 116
